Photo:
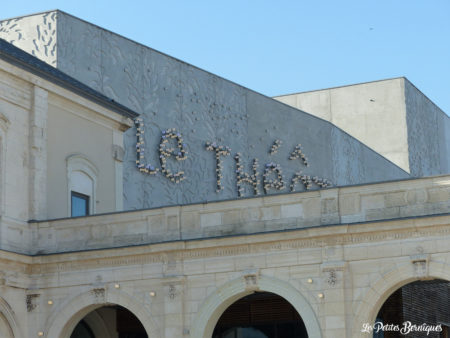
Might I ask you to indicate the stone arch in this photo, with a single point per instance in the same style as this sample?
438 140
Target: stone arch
65 318
213 307
8 322
5 329
388 283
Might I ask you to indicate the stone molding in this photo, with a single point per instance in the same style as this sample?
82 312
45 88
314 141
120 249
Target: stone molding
366 211
327 236
79 162
4 122
10 317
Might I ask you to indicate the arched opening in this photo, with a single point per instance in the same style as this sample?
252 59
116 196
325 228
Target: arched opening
419 302
260 315
109 322
85 306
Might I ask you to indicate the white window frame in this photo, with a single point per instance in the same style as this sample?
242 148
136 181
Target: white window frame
79 163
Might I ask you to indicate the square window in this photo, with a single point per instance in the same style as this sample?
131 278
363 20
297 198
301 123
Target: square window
79 204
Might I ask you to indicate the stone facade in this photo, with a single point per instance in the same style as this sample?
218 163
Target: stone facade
43 126
180 287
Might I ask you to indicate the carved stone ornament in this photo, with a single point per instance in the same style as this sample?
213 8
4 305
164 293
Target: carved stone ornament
251 279
333 271
118 152
99 295
174 286
332 278
420 265
31 302
172 291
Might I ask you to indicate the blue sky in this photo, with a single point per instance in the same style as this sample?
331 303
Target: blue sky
279 47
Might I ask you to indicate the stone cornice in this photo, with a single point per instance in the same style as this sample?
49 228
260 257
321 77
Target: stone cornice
315 211
436 226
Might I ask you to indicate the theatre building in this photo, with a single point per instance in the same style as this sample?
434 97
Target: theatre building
141 196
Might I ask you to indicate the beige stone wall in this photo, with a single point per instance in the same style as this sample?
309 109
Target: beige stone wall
336 276
16 97
75 130
41 124
355 269
15 104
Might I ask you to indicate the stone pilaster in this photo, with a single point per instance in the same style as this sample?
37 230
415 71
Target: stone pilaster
118 153
334 306
38 155
173 306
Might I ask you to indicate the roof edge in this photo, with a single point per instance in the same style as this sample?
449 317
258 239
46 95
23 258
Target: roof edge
342 86
32 64
32 14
